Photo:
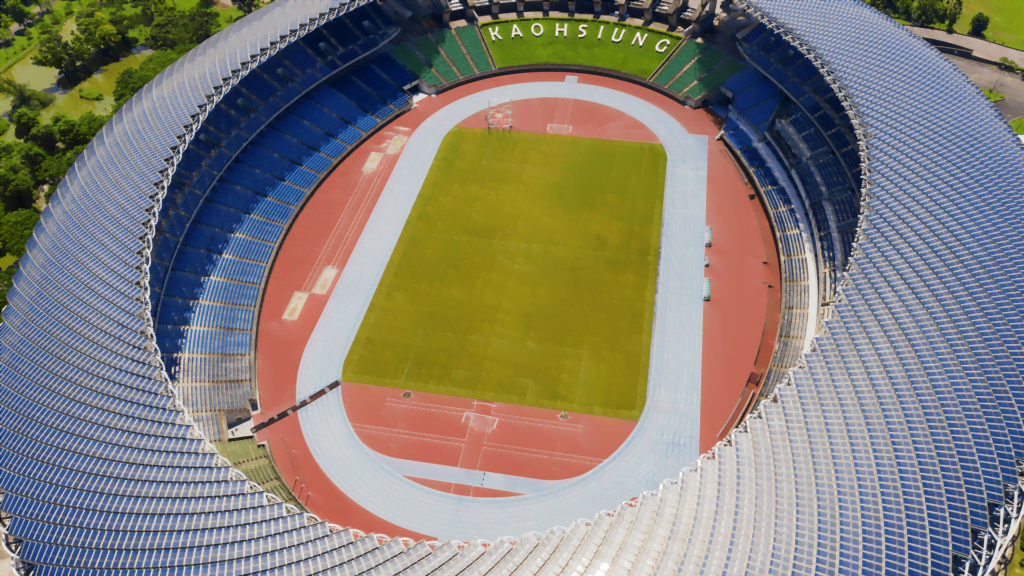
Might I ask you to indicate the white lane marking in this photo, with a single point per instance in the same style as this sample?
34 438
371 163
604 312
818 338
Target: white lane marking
295 306
325 280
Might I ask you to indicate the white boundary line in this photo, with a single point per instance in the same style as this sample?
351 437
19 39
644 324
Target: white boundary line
667 434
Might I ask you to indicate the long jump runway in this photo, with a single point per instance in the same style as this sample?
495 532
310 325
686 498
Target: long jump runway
668 435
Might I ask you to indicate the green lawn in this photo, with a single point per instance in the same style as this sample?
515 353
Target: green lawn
1018 125
992 95
255 461
1007 25
618 46
525 274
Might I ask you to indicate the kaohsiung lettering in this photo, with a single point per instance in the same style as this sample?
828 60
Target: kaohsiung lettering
561 30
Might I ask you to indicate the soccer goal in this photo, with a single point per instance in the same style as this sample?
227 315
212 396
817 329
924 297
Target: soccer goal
499 114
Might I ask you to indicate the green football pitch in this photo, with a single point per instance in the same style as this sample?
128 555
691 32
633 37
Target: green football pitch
525 274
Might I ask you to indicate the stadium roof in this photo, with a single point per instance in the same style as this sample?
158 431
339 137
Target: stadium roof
894 447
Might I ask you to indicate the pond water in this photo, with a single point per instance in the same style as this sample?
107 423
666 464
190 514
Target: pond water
68 101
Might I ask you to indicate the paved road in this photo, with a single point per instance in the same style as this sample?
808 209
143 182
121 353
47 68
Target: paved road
982 48
992 78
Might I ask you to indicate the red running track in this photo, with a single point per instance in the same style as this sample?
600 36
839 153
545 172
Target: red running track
740 321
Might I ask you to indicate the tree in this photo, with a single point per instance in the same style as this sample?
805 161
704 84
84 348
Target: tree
97 33
56 52
905 8
978 25
172 29
5 29
4 126
45 136
25 119
45 5
247 6
52 53
54 168
928 12
131 80
16 229
18 12
16 188
956 8
21 95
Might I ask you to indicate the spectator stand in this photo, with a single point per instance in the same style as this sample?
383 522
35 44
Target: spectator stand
251 166
445 56
694 71
785 216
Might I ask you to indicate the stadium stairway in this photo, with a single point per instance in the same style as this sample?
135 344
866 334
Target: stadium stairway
251 166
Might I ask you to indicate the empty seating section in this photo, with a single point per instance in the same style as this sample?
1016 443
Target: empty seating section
685 55
393 69
696 69
411 60
230 207
441 57
828 190
707 60
792 254
216 397
791 69
364 98
824 185
449 44
714 78
430 53
384 88
469 36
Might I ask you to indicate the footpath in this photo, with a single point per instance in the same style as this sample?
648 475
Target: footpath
980 48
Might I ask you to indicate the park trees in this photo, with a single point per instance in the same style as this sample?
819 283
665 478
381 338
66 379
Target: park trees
247 6
979 23
928 12
15 230
175 28
22 95
64 55
953 13
97 32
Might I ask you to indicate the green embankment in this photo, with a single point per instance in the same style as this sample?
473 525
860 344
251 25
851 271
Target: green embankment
992 95
254 461
623 47
525 274
1006 25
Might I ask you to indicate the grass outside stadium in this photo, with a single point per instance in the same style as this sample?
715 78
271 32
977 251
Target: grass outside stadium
631 49
525 274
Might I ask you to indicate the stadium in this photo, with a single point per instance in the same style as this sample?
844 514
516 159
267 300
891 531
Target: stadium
558 287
